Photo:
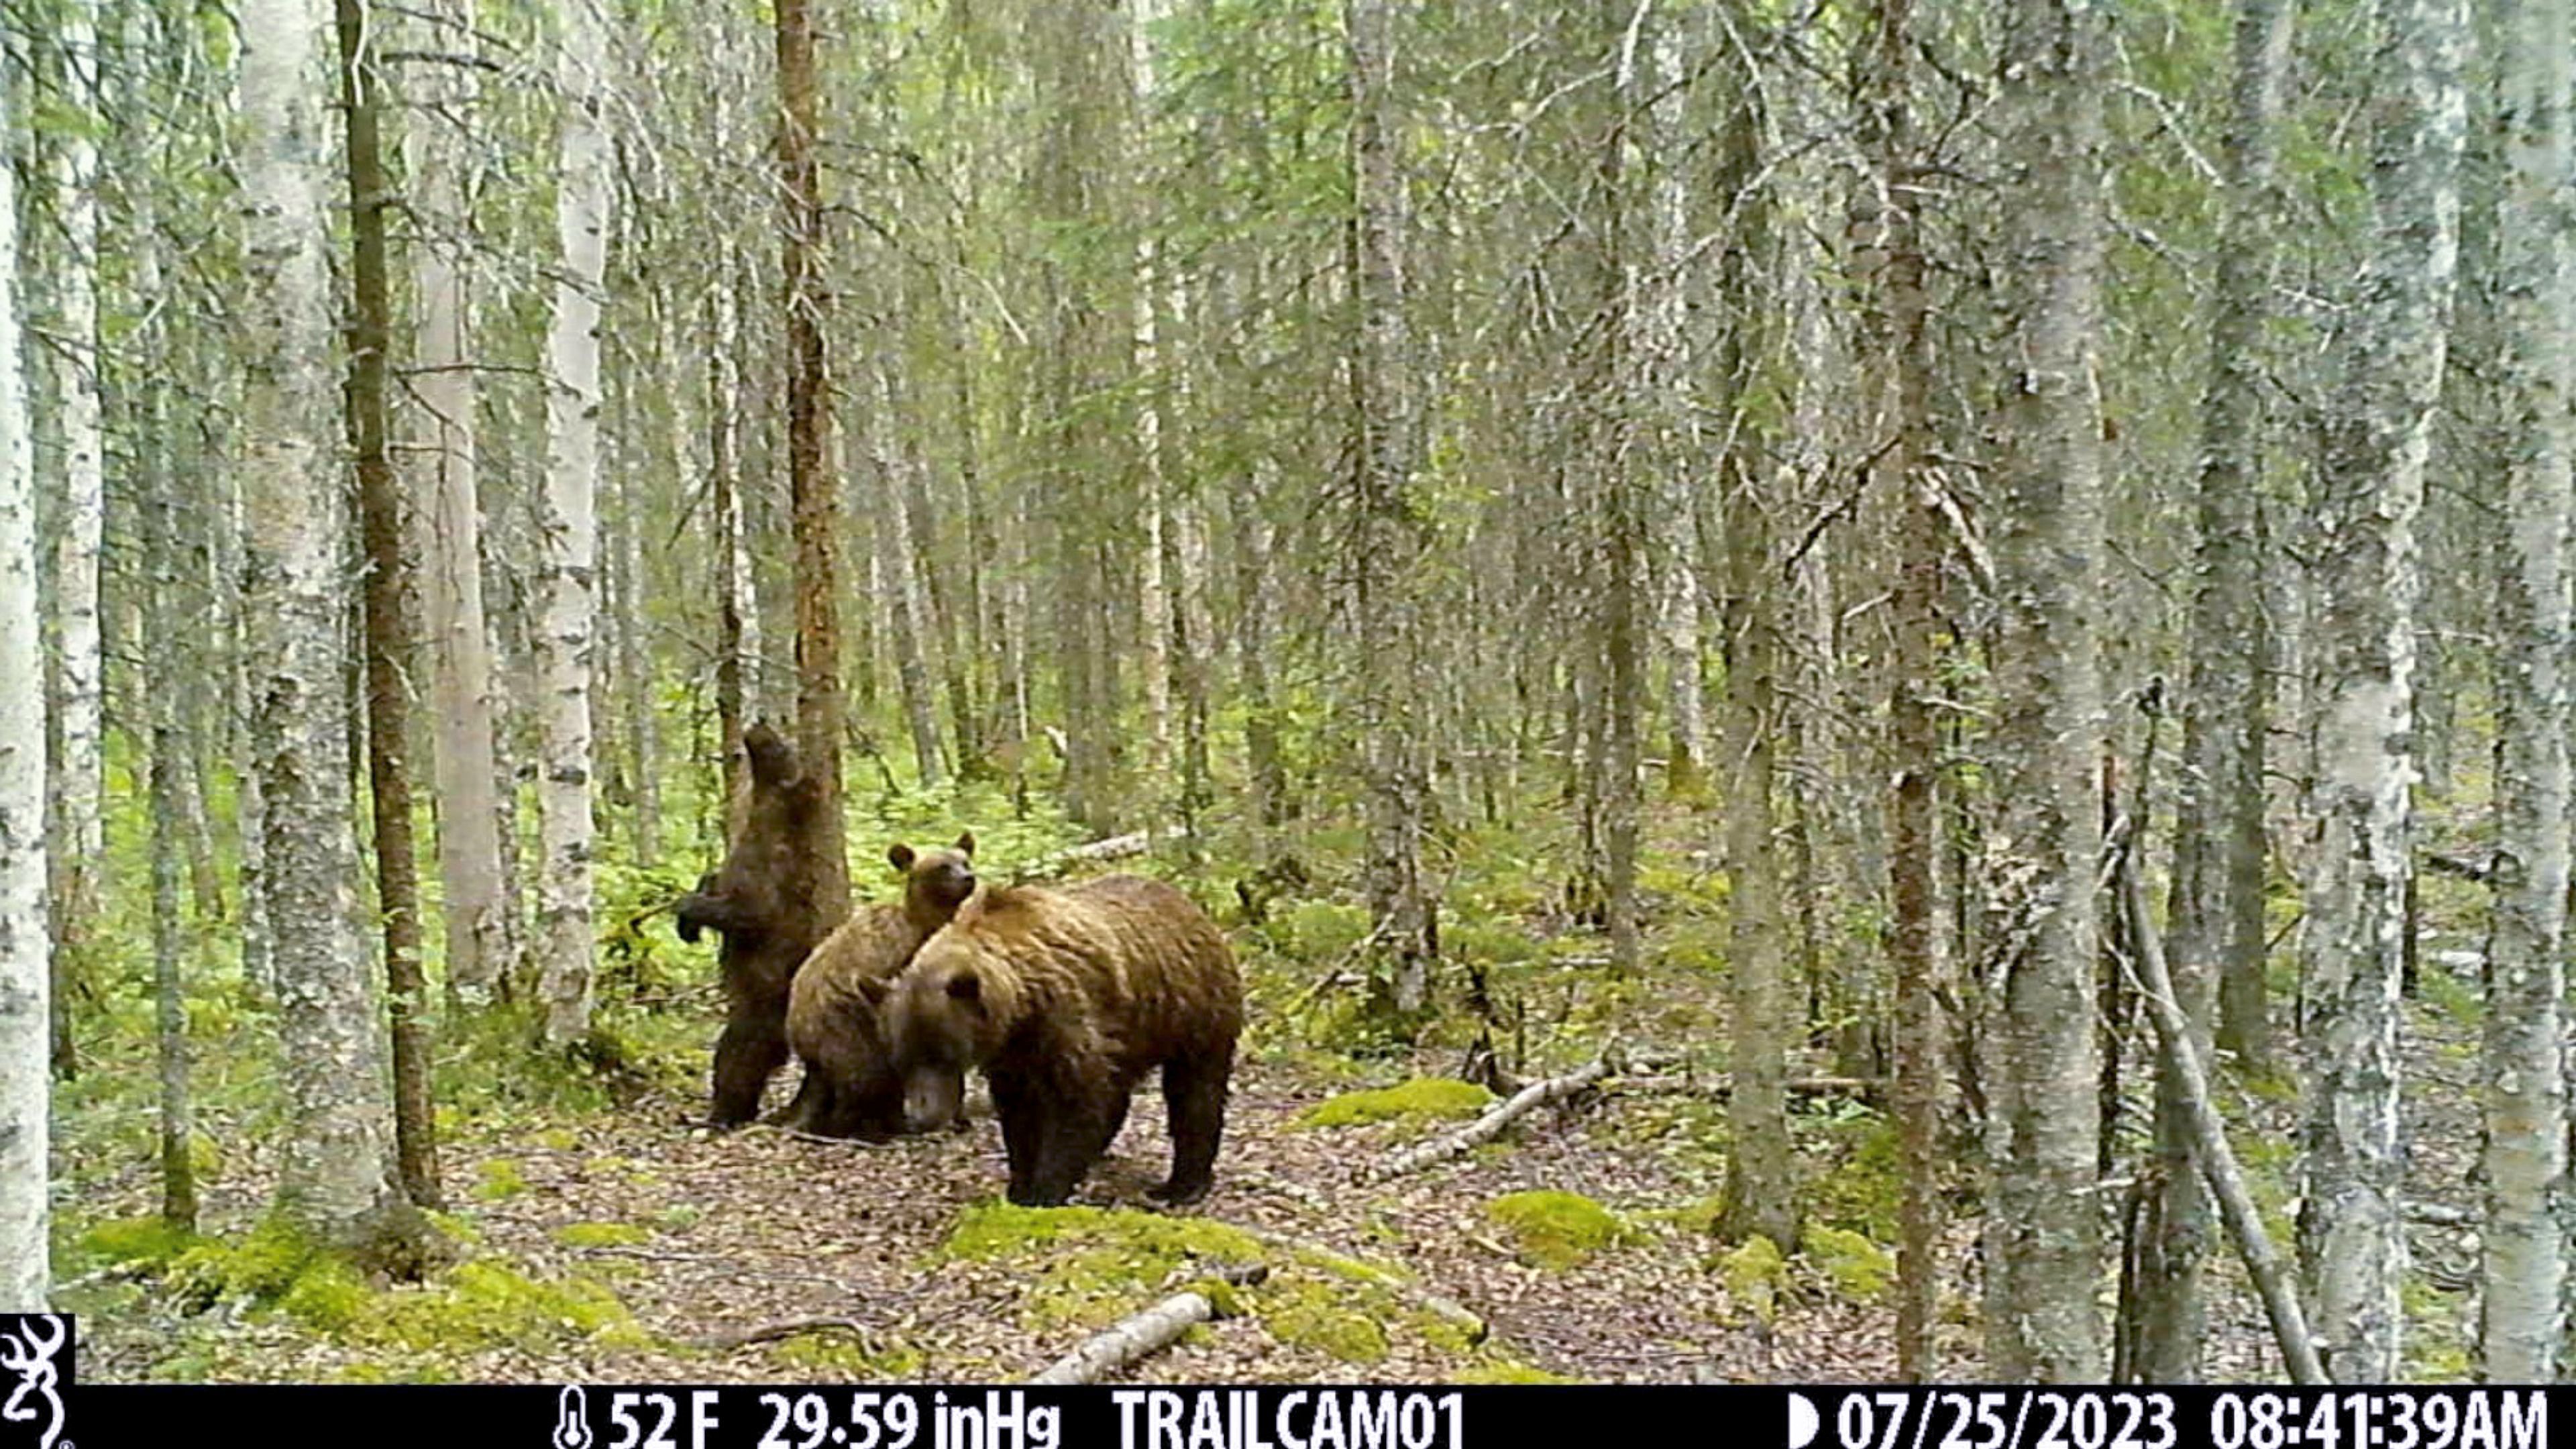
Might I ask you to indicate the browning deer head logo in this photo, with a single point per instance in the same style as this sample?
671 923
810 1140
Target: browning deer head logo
28 1349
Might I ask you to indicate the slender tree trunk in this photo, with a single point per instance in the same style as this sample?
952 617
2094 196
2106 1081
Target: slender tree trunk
388 622
1915 937
1386 534
26 982
336 1174
1253 588
2217 907
2352 1243
894 546
481 919
737 611
77 832
568 530
813 499
2043 1238
2526 1090
168 621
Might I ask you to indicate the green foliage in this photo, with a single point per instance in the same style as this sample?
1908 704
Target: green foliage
1423 1099
136 1240
1864 1188
1858 1268
497 1179
1558 1229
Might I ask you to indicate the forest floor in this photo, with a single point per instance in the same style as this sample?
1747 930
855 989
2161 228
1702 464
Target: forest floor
672 1237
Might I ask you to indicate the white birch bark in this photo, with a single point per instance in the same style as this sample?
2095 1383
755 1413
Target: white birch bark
480 923
84 518
25 935
568 531
335 1178
2526 1089
2352 1247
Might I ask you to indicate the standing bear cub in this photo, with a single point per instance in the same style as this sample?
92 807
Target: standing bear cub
1066 999
851 1089
781 889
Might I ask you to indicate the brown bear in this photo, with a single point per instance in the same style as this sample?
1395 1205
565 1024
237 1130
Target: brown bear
851 1089
781 889
1066 998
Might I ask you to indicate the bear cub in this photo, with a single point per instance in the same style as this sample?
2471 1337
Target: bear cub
1066 998
851 1089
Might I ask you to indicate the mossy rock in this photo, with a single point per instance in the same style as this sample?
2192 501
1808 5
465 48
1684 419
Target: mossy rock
1098 1261
1558 1229
262 1266
601 1235
1419 1100
1754 1274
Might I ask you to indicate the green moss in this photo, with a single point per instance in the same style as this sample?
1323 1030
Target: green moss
497 1179
1505 1371
1863 1189
842 1359
1347 1335
1859 1269
601 1235
992 1229
561 1139
679 1217
137 1240
1557 1229
328 1296
484 1305
1754 1274
1422 1099
262 1266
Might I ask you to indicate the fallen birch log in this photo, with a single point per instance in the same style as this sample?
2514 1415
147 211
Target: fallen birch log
1489 1126
2210 1149
1116 847
1719 1086
1140 1336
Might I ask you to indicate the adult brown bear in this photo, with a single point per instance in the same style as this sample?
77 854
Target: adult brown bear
779 892
1066 998
851 1089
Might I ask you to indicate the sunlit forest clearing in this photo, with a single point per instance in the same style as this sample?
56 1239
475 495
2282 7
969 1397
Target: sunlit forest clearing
1721 691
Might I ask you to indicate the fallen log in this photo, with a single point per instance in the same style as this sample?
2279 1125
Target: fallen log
1116 847
2210 1149
1489 1126
1139 1336
1720 1086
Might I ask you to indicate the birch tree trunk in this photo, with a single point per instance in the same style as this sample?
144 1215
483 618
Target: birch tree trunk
894 569
568 531
2043 1237
2352 1246
26 985
481 921
2526 1086
77 834
2217 906
1387 537
336 1181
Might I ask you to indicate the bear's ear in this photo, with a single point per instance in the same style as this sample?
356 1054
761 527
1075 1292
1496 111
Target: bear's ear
966 843
900 854
965 986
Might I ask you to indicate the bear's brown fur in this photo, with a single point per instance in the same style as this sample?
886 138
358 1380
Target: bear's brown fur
851 1089
1066 998
781 889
